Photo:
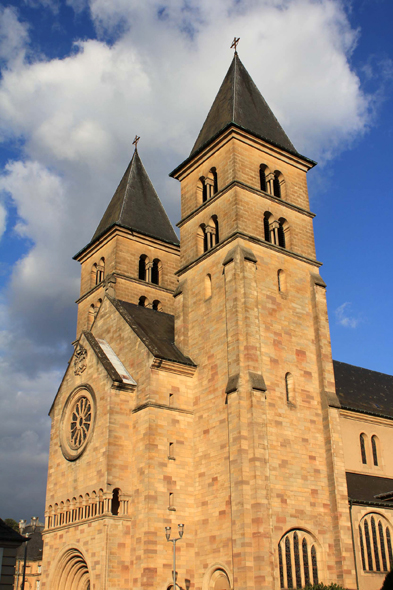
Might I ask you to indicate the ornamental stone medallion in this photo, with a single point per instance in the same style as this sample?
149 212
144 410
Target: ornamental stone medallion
77 422
80 357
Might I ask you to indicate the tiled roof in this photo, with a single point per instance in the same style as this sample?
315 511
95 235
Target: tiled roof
136 206
364 390
35 547
365 488
156 330
239 102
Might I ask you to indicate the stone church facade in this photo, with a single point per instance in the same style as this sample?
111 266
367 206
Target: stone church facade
202 389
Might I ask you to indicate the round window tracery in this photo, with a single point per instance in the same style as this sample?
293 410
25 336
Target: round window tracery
77 422
80 422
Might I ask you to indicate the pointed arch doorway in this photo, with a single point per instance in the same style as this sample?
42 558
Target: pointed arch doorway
72 572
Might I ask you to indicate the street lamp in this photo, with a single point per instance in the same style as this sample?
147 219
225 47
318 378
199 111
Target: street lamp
168 538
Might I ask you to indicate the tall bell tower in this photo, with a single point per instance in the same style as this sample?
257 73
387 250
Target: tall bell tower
269 471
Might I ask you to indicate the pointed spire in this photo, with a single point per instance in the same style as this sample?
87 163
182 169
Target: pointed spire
240 103
136 206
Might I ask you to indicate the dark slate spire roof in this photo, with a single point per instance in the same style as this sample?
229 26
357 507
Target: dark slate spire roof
136 206
240 103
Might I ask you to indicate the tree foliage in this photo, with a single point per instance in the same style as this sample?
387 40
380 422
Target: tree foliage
12 524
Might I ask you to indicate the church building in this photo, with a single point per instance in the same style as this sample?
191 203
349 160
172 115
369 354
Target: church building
202 390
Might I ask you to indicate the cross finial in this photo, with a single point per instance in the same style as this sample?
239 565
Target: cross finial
235 43
135 142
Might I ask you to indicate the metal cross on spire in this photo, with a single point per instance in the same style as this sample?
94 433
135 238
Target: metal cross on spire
135 142
235 43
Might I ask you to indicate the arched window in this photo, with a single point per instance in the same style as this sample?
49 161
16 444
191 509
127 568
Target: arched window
216 233
142 270
93 276
204 189
208 286
115 504
142 301
201 240
375 543
215 180
266 225
262 177
100 271
298 560
157 305
281 281
155 272
281 233
374 449
277 185
363 448
289 388
91 316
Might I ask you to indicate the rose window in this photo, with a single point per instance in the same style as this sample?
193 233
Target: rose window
80 422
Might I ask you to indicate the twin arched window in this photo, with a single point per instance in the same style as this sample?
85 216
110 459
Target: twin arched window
208 235
276 231
363 439
375 537
149 271
144 302
208 185
97 273
298 562
271 182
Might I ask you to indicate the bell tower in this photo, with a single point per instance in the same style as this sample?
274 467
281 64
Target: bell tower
133 253
270 479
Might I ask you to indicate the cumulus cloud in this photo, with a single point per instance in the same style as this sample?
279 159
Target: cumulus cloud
154 70
345 317
13 36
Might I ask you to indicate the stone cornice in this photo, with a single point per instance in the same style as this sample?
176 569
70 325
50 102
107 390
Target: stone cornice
254 240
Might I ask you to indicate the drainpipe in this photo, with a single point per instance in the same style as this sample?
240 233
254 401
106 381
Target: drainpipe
353 544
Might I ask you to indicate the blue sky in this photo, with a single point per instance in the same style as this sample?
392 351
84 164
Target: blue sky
79 78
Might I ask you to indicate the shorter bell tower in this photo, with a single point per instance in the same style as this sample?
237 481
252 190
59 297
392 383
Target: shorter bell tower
133 253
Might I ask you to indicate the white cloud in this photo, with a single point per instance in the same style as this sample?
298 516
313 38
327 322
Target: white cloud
345 318
13 36
77 116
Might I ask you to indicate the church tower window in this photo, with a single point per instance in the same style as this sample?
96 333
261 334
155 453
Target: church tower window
115 505
91 316
142 301
215 180
289 388
142 271
281 281
266 226
155 272
281 233
277 185
157 305
208 286
262 177
100 271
